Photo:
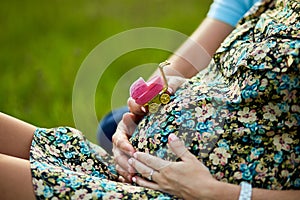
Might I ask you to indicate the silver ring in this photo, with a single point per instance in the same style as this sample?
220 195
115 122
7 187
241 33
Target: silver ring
150 176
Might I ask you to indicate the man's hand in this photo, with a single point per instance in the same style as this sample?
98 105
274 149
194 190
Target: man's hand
122 149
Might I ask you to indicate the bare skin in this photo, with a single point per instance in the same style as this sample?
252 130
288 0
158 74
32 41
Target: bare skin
15 172
208 36
197 183
16 183
15 136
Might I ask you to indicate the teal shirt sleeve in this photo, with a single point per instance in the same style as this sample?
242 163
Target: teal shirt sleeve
230 11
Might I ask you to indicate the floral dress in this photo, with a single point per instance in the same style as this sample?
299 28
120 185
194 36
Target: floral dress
240 117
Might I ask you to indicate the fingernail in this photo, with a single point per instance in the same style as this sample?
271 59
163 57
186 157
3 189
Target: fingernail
133 179
135 155
130 161
170 90
143 109
172 137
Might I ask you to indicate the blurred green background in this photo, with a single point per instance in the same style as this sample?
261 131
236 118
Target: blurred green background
43 44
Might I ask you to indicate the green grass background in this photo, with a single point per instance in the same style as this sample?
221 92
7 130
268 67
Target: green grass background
43 44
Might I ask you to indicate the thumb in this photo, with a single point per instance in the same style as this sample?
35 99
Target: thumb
129 123
177 146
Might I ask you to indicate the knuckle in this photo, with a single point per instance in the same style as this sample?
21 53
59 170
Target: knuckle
118 167
114 138
116 159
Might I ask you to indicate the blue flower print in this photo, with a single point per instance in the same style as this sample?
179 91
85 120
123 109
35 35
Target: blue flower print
186 114
154 128
297 149
62 137
298 25
96 173
257 67
110 186
163 125
249 91
170 119
65 138
99 193
279 28
48 191
179 119
62 130
189 124
163 197
245 138
271 75
164 139
284 107
204 126
40 165
248 171
297 183
257 151
247 175
253 126
256 138
69 154
169 129
295 82
286 82
278 157
74 182
223 143
84 148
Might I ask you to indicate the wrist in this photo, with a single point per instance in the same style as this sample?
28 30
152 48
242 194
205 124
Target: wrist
221 190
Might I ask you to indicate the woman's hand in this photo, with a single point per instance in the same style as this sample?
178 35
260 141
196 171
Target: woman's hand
122 149
188 179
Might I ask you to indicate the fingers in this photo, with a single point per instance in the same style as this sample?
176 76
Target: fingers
129 121
122 160
121 143
177 146
122 148
146 172
124 176
136 108
120 138
150 161
122 165
140 167
144 183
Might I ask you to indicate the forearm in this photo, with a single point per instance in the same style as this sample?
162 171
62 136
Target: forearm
229 191
195 54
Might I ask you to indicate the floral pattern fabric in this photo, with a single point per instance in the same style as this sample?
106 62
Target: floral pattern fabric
240 117
65 165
